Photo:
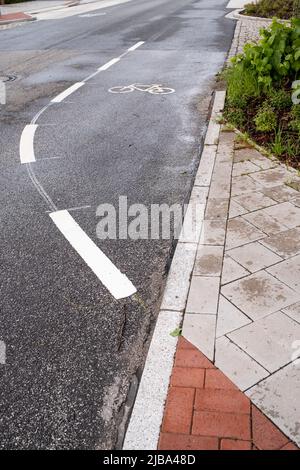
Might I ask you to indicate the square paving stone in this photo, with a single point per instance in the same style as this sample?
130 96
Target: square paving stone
245 154
293 311
273 177
254 256
278 397
288 272
213 232
229 318
259 295
285 244
217 208
200 331
268 340
240 232
281 193
209 261
285 213
264 222
204 295
254 201
232 270
241 369
244 184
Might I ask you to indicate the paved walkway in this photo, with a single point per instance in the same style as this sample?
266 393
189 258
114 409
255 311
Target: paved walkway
243 307
206 411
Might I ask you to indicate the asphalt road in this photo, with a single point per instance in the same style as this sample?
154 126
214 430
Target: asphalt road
72 350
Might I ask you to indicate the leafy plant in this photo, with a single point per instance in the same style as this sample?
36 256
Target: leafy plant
279 99
276 56
266 119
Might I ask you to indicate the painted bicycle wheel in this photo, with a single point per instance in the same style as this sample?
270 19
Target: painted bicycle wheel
121 89
161 90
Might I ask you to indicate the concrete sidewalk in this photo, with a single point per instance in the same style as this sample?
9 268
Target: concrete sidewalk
238 291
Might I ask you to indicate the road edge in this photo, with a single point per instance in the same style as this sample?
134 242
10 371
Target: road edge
144 425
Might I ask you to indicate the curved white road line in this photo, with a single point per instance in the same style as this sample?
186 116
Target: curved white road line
59 98
26 144
117 283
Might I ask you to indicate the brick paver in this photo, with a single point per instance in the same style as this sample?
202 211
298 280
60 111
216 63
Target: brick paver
211 413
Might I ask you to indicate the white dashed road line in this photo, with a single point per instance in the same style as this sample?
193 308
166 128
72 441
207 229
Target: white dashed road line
26 144
117 283
59 98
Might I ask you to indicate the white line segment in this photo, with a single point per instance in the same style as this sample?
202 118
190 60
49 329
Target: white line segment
26 143
67 92
136 46
117 283
109 64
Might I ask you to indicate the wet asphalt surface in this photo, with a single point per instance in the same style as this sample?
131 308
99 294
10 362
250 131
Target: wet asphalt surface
72 350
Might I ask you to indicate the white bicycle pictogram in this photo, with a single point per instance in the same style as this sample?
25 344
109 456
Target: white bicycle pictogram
154 89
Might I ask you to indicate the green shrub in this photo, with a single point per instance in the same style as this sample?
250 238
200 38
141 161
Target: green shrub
269 8
236 117
276 57
242 85
279 99
266 119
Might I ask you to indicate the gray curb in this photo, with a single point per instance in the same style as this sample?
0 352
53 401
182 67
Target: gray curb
147 414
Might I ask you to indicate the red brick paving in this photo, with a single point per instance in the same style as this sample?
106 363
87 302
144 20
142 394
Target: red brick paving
14 17
206 411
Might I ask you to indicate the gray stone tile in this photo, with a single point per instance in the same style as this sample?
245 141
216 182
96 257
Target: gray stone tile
213 232
265 163
206 166
217 208
240 232
281 193
209 261
249 295
288 271
254 201
278 397
285 244
229 317
293 311
236 209
200 330
264 222
204 295
243 168
268 340
285 213
245 154
254 256
219 188
212 134
243 184
193 219
241 369
178 282
273 177
232 270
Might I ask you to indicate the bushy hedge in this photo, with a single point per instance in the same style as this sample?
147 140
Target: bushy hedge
262 90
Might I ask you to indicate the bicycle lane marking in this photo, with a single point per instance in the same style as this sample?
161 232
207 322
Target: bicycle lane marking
116 282
154 89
